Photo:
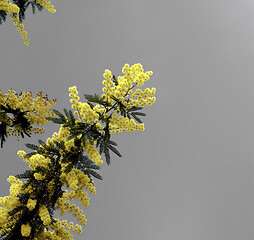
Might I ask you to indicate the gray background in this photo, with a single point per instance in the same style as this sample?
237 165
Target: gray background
189 176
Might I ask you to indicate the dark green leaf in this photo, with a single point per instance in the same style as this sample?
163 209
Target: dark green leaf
97 144
115 80
92 98
112 142
72 118
134 109
67 113
59 114
31 146
94 167
26 174
136 118
41 142
107 156
2 16
138 113
114 150
55 120
33 8
101 147
95 174
30 154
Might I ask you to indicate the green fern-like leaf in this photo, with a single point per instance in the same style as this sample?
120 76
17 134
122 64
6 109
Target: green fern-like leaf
32 146
115 80
95 174
72 118
3 133
30 154
106 152
41 142
112 142
101 147
26 174
67 113
139 113
59 114
55 120
2 16
96 99
136 118
114 150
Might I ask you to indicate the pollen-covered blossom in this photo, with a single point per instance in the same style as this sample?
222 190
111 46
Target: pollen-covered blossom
7 203
86 112
31 203
123 124
44 215
122 90
39 160
15 187
20 27
14 9
93 154
8 7
46 5
38 176
35 109
26 230
134 76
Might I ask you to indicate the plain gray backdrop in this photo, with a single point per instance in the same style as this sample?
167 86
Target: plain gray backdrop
189 175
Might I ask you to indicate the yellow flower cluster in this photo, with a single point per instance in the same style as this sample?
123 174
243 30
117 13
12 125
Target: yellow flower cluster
57 234
38 108
20 27
75 179
123 124
4 217
93 154
39 160
15 187
14 9
22 154
8 203
25 230
59 231
134 75
86 112
8 7
79 178
44 215
65 205
38 176
61 136
46 5
31 203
